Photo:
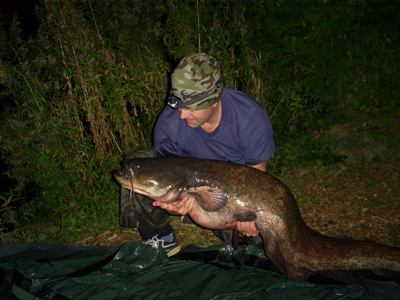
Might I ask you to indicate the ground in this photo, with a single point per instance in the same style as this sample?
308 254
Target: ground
357 198
349 202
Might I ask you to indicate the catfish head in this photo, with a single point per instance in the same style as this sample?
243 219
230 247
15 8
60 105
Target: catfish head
151 178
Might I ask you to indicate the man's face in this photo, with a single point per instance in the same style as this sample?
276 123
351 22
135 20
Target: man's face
196 118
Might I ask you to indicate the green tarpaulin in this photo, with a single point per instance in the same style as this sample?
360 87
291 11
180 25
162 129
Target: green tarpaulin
135 271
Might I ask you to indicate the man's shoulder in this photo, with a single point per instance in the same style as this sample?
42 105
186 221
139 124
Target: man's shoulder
167 117
241 100
167 121
243 105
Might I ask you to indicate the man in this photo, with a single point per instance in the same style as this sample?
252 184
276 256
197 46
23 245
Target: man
207 121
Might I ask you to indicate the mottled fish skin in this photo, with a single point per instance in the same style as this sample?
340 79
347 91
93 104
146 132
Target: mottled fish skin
226 193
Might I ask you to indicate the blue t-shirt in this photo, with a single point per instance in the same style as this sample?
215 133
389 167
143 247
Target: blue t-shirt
243 136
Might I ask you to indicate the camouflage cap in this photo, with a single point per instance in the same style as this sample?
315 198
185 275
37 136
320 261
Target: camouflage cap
197 81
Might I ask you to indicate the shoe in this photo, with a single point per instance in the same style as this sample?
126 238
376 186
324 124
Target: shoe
166 242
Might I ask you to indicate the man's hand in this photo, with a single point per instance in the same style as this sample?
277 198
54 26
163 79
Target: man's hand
182 207
247 228
185 206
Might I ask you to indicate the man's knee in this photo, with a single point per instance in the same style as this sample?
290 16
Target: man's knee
131 204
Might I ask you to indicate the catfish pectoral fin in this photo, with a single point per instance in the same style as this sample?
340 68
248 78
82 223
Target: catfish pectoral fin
209 198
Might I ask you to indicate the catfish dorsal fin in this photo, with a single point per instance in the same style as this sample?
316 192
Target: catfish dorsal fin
209 198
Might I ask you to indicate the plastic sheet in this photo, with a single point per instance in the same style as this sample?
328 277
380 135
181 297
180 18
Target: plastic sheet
136 271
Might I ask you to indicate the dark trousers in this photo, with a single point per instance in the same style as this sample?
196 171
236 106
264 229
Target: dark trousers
136 211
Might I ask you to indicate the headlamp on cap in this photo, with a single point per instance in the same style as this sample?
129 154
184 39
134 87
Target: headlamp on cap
174 102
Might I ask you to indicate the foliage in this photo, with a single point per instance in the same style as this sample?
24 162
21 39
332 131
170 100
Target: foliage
88 87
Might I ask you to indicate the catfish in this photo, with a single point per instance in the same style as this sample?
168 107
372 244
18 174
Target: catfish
226 193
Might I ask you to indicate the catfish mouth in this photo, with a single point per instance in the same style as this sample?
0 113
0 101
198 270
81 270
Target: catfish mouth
143 192
128 181
125 180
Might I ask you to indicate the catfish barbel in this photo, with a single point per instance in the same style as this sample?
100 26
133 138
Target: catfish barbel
228 193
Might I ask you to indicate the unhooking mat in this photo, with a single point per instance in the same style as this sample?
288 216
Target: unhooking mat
136 271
